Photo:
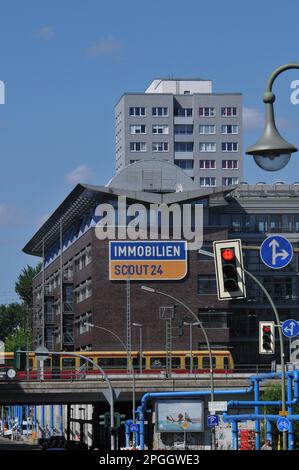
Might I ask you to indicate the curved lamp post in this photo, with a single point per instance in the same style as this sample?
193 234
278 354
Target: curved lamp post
155 291
272 152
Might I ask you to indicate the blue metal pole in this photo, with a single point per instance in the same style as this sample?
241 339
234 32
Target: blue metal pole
127 431
43 420
256 411
27 416
290 411
61 419
141 426
137 437
235 435
34 418
9 417
51 419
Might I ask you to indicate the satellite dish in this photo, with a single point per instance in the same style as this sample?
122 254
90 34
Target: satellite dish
179 188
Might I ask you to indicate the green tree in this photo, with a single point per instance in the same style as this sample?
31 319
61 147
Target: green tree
17 340
11 319
23 285
273 393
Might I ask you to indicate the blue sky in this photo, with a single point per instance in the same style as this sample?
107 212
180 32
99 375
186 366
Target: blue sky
66 63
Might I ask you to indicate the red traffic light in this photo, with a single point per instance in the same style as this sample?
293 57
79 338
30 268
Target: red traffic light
228 254
266 329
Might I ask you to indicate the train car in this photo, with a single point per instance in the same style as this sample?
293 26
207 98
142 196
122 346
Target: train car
69 367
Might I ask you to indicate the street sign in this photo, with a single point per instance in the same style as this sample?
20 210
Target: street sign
42 353
213 420
147 260
290 328
276 252
217 406
283 424
134 427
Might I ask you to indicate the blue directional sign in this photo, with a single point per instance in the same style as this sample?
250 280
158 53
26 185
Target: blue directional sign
134 427
213 420
290 328
276 252
283 424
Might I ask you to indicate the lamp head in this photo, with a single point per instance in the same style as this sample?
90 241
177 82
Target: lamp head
271 152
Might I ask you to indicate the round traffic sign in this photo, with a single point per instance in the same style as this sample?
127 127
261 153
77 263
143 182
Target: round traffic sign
42 353
276 252
283 424
11 373
290 328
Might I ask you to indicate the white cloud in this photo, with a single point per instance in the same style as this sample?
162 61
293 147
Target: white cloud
107 45
253 119
80 174
46 33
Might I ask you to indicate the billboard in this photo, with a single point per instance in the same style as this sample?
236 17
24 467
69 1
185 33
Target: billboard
180 416
147 260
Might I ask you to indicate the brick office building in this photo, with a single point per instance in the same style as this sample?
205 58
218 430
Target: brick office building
83 293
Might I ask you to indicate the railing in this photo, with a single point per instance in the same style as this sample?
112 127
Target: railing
49 318
68 307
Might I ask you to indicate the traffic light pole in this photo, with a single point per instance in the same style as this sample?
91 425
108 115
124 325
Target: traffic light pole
282 356
155 291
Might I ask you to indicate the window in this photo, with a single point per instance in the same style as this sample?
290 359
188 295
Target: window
113 362
159 111
207 147
137 129
160 362
183 129
213 320
83 291
229 112
185 164
160 146
229 146
207 112
207 181
230 164
207 129
230 181
229 129
80 323
68 363
83 258
160 129
207 164
206 284
138 146
183 146
137 111
183 112
206 362
133 161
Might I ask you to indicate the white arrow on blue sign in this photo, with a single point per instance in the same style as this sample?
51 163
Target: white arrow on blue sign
290 328
283 424
276 252
213 420
134 427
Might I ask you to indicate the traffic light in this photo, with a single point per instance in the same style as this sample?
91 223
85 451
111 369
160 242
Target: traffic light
20 360
105 420
266 337
229 269
119 419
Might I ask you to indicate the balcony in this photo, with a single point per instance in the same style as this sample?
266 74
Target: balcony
68 276
49 317
68 338
68 307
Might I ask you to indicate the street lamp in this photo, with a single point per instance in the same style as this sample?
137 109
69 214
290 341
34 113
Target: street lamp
139 325
271 152
155 291
190 324
129 353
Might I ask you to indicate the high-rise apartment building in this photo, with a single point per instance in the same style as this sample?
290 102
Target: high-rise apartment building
182 122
